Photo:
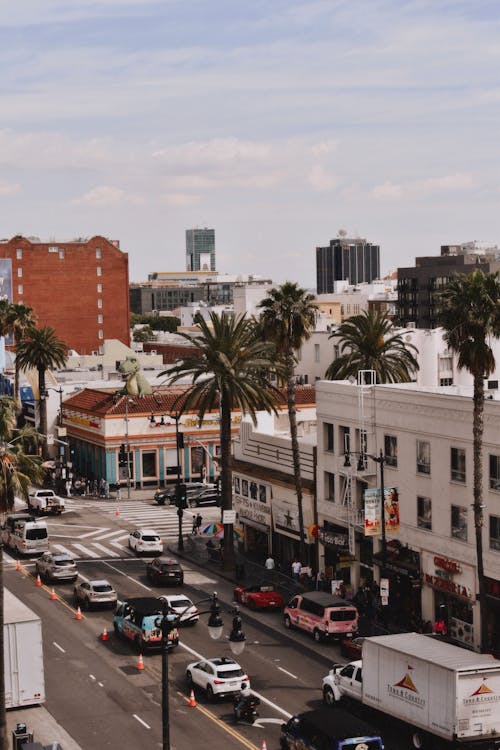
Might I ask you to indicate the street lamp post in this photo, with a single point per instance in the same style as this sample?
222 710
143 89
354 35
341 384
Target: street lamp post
180 510
127 446
170 620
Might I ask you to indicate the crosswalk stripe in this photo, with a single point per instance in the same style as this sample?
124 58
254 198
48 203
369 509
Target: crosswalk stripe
64 550
122 548
85 550
91 533
109 535
106 550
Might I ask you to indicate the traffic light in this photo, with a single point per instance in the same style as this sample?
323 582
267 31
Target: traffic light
122 459
180 440
181 496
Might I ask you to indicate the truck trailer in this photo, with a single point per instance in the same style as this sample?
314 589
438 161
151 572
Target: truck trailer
23 655
447 696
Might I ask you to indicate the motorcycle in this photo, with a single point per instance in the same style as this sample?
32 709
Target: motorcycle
245 708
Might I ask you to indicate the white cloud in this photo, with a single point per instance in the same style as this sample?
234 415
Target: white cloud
179 200
321 180
7 188
446 184
105 196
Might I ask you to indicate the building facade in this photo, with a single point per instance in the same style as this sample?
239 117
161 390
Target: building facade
355 260
58 279
200 249
424 436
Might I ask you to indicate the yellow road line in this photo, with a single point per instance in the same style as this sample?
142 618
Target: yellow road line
58 598
237 736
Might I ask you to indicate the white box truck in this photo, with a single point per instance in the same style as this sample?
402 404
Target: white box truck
22 634
447 696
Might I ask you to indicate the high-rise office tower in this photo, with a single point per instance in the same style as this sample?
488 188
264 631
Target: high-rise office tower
200 249
355 260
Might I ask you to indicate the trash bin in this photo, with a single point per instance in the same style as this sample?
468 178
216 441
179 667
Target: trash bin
20 736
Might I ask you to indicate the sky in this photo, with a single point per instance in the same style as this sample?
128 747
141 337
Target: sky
275 122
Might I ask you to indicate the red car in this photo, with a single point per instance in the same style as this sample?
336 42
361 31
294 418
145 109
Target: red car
352 648
258 597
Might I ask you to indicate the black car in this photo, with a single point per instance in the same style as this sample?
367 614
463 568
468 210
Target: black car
193 489
165 570
204 496
165 496
324 728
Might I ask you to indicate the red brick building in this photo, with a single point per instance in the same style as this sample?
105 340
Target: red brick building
80 287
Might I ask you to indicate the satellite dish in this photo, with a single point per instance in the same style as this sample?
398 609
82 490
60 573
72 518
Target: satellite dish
342 233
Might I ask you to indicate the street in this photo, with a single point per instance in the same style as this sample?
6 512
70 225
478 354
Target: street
94 688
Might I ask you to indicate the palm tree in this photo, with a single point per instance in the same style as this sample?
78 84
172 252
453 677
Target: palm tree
230 370
288 318
470 316
368 342
42 350
17 471
20 319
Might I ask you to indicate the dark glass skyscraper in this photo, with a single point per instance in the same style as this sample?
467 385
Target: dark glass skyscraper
353 260
200 249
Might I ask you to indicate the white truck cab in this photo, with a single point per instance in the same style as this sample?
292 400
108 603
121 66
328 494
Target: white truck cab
45 501
343 681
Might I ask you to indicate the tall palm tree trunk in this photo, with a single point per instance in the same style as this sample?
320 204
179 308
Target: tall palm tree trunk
42 402
477 430
292 417
226 478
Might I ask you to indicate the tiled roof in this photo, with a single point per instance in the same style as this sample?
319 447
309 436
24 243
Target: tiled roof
101 401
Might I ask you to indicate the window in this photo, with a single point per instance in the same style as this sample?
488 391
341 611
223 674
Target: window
99 303
20 272
148 459
345 439
19 288
61 253
424 513
495 533
494 472
98 253
99 289
101 334
446 381
99 320
316 352
459 522
458 465
329 486
423 457
99 271
19 253
391 450
328 437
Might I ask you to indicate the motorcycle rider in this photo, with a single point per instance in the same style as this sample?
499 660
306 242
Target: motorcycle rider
242 700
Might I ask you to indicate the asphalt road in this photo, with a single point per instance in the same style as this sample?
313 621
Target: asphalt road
95 690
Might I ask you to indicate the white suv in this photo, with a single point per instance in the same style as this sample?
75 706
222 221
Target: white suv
145 541
217 677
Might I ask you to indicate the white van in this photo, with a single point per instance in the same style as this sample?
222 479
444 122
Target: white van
25 535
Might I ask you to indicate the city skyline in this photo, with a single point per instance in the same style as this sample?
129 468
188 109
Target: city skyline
277 124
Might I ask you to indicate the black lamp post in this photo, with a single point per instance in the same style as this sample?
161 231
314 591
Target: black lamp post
171 620
179 498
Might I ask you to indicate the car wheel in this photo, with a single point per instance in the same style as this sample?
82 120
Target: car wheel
287 622
328 696
86 604
317 635
418 740
75 598
191 503
117 630
189 680
139 646
210 693
181 582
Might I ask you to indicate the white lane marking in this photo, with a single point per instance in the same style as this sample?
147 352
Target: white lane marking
64 550
261 697
106 550
100 684
141 721
59 647
120 538
85 550
92 533
122 547
131 578
109 534
288 673
92 677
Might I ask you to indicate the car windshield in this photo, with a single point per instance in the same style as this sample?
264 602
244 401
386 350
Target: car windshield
341 615
150 538
181 604
36 534
229 674
63 563
101 587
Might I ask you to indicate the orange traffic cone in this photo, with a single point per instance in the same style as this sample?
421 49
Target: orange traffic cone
38 580
78 615
53 595
264 746
117 511
192 700
18 565
104 636
140 663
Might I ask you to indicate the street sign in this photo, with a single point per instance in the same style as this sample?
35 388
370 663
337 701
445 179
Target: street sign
229 516
50 438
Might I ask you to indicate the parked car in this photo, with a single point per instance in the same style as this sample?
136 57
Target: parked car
208 495
183 606
53 568
258 596
164 570
94 593
351 649
145 541
137 620
167 495
218 677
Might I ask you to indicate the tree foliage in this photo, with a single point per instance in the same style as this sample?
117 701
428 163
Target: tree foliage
168 323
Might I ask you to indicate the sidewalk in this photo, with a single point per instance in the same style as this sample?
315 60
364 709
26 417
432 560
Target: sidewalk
42 724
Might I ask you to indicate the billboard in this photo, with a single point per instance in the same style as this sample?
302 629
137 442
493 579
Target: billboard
373 511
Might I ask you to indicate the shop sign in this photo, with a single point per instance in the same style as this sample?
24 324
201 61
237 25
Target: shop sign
82 421
253 510
448 575
211 420
333 539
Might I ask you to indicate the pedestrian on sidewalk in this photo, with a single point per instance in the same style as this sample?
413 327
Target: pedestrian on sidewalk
199 521
296 568
269 564
118 492
194 529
